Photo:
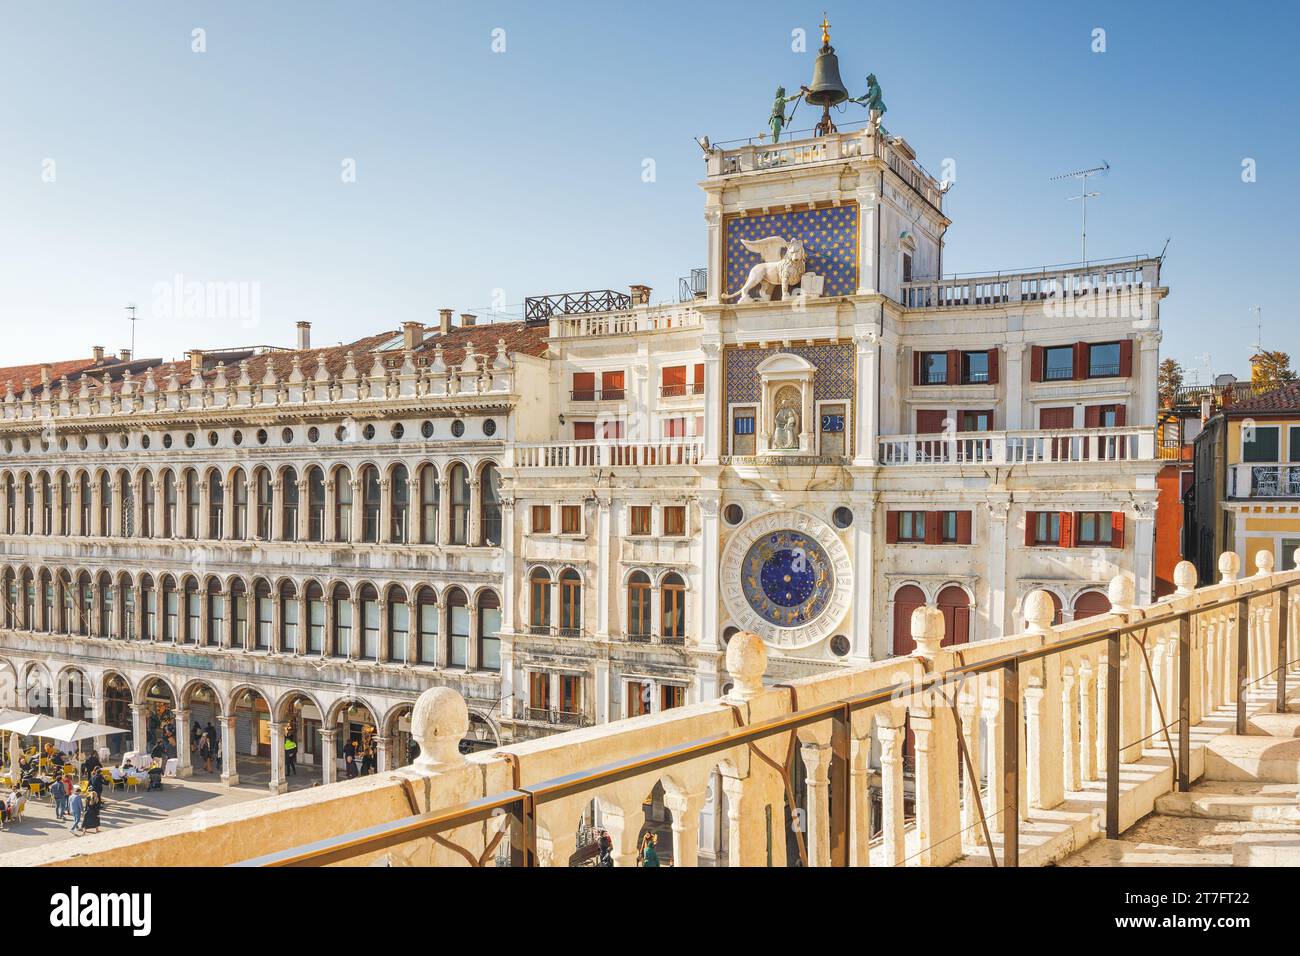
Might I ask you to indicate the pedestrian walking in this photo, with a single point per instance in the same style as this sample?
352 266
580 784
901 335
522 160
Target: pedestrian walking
59 791
74 810
649 857
93 805
205 752
290 756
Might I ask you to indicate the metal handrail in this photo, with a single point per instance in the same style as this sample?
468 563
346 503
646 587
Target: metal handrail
521 802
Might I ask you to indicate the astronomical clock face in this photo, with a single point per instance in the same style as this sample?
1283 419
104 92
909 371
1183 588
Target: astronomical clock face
787 577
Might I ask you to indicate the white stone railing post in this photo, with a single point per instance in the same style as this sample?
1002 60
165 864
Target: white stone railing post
938 811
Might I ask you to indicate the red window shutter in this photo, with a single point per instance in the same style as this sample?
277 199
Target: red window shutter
1067 529
1117 529
1121 416
611 381
930 421
916 367
891 527
1092 416
993 366
584 431
1080 360
674 376
1126 358
954 366
963 527
934 527
1031 519
1055 418
1036 364
584 381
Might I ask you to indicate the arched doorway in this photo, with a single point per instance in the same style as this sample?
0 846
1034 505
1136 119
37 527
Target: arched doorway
252 735
1091 604
202 706
117 710
160 715
301 718
906 600
37 691
74 694
402 749
356 728
955 604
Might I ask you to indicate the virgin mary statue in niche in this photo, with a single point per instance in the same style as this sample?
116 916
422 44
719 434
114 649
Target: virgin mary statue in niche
785 431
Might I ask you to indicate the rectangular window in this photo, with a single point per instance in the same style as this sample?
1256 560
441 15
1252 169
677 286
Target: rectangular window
1259 443
539 691
934 368
1103 360
832 431
541 519
670 696
1058 364
742 433
976 421
489 643
974 368
1094 528
640 519
638 698
316 626
911 526
673 379
611 386
675 520
428 633
570 519
290 611
948 527
1047 527
584 386
459 647
570 694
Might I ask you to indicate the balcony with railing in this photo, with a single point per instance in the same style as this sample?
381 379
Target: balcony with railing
652 453
1018 447
597 394
1249 481
1027 748
1078 284
630 321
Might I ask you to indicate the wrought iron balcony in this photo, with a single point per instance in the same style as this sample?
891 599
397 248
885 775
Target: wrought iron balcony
1264 481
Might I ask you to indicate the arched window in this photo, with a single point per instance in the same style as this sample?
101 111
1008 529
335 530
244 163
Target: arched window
427 604
265 615
68 603
370 504
193 613
169 504
216 506
105 528
148 609
86 604
490 507
216 614
171 605
239 505
238 615
399 625
570 603
10 505
315 504
1091 604
107 619
289 520
87 506
638 605
539 601
459 479
906 600
343 505
401 504
29 506
315 618
65 504
47 505
955 605
147 503
370 623
428 505
29 601
49 623
342 638
457 628
290 642
265 504
11 601
192 504
489 627
672 611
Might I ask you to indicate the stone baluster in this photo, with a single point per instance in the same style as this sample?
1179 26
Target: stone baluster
817 757
1044 723
1091 703
685 807
860 813
993 716
938 811
1070 769
970 795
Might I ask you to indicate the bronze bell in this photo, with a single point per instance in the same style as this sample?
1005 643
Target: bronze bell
827 88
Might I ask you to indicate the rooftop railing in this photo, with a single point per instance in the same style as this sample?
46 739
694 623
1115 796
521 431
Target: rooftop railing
659 318
607 454
1059 283
1019 447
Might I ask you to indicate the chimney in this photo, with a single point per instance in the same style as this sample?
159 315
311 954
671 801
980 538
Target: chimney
126 355
444 321
467 320
304 336
46 371
640 295
412 335
98 352
196 362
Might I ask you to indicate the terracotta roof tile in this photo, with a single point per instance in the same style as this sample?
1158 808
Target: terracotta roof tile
23 375
1284 399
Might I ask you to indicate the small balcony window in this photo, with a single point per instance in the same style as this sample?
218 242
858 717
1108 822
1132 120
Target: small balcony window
1103 360
1058 364
934 368
974 368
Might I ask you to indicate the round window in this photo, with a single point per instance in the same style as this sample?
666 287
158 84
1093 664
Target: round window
398 431
729 633
457 428
842 517
213 439
123 441
286 436
189 439
103 443
237 437
313 434
27 444
733 514
63 444
261 436
167 441
145 441
82 442
341 433
490 427
368 432
840 645
427 429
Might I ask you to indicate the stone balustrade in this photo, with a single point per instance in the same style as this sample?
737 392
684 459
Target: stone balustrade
1126 277
1019 750
1019 447
606 454
655 318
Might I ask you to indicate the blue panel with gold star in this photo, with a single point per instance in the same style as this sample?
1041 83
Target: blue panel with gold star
830 237
787 579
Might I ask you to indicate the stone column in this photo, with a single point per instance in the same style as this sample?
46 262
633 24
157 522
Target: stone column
229 751
140 728
303 530
996 549
1013 376
704 602
184 765
737 792
864 513
938 812
357 651
623 829
412 628
278 783
508 587
471 653
329 756
384 753
1144 549
685 808
891 737
817 763
228 508
276 531
358 511
475 535
865 421
384 533
714 401
330 530
860 801
604 531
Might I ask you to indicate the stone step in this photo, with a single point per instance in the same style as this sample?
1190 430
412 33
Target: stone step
1274 725
1251 802
1262 850
1258 759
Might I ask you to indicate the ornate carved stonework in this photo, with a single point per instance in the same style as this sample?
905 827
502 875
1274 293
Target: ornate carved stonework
787 577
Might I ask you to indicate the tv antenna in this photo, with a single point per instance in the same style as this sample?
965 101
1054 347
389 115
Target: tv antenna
1084 196
133 319
1259 329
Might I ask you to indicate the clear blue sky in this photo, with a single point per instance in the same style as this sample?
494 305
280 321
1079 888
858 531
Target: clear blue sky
521 171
